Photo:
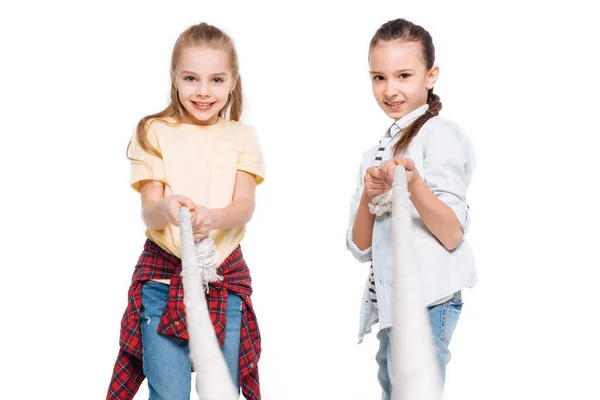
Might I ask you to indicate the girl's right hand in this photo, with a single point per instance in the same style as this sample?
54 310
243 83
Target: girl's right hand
375 183
169 207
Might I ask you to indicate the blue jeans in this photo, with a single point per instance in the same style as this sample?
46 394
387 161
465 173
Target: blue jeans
443 318
167 363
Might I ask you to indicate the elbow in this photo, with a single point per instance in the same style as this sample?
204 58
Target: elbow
453 229
453 240
248 218
362 242
151 224
251 206
360 252
362 245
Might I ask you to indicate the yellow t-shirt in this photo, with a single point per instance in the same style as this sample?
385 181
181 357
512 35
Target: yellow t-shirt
199 162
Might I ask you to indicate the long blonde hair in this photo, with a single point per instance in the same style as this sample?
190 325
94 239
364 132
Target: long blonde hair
201 35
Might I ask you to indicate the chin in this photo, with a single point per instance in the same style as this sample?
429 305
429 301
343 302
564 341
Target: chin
201 117
394 115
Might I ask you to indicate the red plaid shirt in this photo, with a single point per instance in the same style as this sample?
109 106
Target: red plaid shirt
155 263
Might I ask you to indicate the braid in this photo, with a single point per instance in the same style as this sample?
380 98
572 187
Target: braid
408 133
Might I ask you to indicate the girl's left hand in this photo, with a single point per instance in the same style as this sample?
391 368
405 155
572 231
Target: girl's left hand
202 221
388 166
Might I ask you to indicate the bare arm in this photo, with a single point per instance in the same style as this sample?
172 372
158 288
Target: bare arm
362 229
438 217
240 211
235 215
158 211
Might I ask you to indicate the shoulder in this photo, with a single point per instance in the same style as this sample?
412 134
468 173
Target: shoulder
238 130
158 126
438 130
445 138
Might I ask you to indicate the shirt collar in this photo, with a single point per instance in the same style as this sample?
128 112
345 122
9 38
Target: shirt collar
403 122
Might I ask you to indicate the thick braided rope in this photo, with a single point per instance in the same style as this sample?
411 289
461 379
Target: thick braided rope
381 203
414 364
213 381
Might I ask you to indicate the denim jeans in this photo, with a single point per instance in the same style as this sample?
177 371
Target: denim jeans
443 318
167 363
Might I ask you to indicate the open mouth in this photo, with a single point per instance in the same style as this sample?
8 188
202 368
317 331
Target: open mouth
203 106
393 104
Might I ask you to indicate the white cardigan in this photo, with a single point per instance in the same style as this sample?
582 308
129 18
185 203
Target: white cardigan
444 157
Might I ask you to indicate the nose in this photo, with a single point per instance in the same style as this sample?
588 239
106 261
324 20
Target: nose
390 90
202 90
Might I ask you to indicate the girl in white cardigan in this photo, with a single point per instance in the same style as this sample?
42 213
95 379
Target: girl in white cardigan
439 162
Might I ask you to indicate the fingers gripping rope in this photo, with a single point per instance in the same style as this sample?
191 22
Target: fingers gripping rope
382 203
213 381
206 257
414 366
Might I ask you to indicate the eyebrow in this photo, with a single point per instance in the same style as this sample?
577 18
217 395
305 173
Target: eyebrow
395 72
193 73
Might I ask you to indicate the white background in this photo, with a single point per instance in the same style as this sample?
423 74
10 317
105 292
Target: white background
520 77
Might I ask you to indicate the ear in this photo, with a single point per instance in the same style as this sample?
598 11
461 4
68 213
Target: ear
233 86
432 76
174 80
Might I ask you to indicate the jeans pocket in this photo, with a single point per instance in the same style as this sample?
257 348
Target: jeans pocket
234 305
154 299
450 315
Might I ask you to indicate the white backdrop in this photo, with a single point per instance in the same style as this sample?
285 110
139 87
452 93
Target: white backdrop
519 77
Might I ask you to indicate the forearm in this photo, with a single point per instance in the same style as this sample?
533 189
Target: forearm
362 229
235 215
152 217
437 216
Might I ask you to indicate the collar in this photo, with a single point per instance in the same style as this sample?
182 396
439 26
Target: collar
403 122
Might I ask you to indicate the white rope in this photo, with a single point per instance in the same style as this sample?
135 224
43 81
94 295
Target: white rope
381 204
206 258
416 376
414 364
213 381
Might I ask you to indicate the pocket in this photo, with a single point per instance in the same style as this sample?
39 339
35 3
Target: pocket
457 299
234 305
154 298
226 160
450 316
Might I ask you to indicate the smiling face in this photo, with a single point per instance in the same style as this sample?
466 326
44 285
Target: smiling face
204 81
399 77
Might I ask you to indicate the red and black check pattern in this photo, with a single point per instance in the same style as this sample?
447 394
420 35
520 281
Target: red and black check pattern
155 263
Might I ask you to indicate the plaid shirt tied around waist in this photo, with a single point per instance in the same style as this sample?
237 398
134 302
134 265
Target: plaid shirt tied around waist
156 263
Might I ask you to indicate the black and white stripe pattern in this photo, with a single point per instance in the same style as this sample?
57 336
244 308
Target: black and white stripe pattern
378 158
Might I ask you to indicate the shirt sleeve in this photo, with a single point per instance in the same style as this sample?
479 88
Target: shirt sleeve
448 165
145 166
251 158
361 255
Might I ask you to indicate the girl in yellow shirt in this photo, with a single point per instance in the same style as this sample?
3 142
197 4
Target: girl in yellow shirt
196 154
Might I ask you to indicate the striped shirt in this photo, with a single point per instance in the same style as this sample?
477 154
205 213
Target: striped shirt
383 142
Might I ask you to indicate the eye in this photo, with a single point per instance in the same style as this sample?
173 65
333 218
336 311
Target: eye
378 78
189 78
404 76
218 80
